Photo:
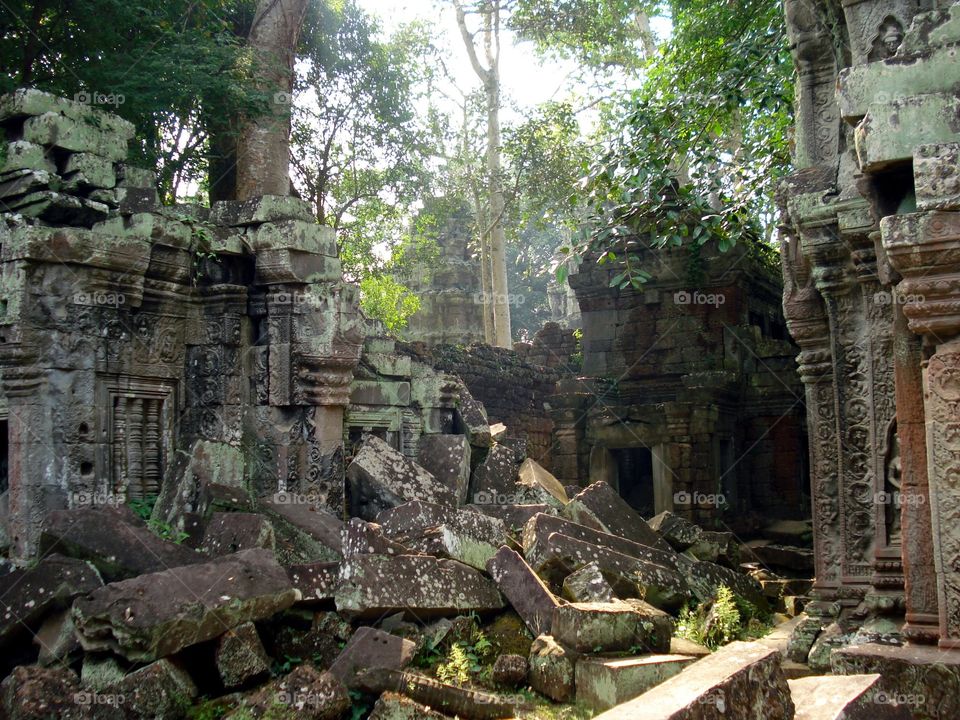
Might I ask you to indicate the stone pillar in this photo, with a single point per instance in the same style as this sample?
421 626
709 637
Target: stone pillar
924 248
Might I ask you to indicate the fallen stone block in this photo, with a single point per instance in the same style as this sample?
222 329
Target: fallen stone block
602 504
587 585
83 171
240 657
315 582
741 680
801 640
33 594
716 547
923 678
608 627
471 418
781 556
831 638
232 532
514 517
106 538
37 693
412 518
845 697
469 537
679 532
629 576
552 669
534 476
449 699
394 706
524 590
374 585
494 480
304 694
161 691
371 648
155 615
510 670
363 538
380 478
603 683
705 578
304 513
210 471
56 639
447 458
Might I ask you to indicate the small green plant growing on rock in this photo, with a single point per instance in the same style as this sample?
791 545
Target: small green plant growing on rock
712 624
456 670
467 659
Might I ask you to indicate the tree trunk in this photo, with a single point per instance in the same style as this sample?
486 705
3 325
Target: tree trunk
263 148
490 76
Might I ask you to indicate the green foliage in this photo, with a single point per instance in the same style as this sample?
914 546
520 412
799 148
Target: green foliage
208 710
467 659
727 618
143 507
456 669
166 531
382 297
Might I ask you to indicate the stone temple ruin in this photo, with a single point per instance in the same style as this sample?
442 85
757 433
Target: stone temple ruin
223 487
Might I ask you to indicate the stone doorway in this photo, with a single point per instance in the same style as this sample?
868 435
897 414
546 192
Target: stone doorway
639 475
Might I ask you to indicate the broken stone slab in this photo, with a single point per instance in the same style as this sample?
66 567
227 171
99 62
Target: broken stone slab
374 585
261 209
32 594
449 699
469 537
600 506
524 590
161 690
240 657
705 578
380 478
717 547
447 458
371 648
510 670
603 683
56 639
155 615
306 515
104 537
679 532
587 585
363 538
394 706
924 678
740 680
844 697
801 640
304 694
230 532
513 516
534 476
831 638
53 129
23 182
471 419
608 627
552 669
315 583
412 518
561 555
38 693
30 102
494 480
781 556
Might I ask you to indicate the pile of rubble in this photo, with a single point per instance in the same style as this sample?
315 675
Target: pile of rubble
115 621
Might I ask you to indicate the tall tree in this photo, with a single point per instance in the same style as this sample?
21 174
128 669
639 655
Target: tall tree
494 235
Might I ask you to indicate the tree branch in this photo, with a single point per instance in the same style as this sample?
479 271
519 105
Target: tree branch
481 71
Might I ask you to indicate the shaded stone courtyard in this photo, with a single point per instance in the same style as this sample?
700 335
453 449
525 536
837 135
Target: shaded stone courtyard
226 493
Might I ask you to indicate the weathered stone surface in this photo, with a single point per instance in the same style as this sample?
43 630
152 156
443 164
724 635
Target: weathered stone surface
510 670
160 690
705 578
680 533
380 478
394 706
604 505
304 694
240 656
802 638
72 134
850 697
315 582
232 532
526 592
263 209
832 637
781 556
924 679
494 480
371 648
318 635
440 696
56 638
682 646
741 680
412 518
629 576
32 594
22 155
552 669
372 585
155 615
587 585
603 683
363 538
107 539
188 486
717 547
36 693
469 537
473 420
30 102
102 670
306 514
534 476
607 627
513 516
447 458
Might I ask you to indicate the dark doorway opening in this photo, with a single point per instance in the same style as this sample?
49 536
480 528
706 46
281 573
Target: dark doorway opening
635 478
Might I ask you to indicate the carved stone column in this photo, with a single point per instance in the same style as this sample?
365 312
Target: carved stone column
925 249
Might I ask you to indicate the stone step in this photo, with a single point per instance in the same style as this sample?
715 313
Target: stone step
603 683
844 697
741 680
